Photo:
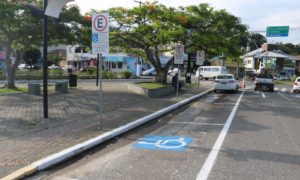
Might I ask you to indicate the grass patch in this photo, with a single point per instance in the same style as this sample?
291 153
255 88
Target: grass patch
19 89
289 83
152 85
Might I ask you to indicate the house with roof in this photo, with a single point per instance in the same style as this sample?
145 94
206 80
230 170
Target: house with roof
269 57
79 58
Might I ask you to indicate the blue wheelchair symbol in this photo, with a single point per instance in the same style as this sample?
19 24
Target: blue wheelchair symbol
172 143
95 38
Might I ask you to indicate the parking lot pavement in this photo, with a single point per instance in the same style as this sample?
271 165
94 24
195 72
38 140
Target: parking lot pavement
25 136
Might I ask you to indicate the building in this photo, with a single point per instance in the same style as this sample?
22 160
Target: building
80 57
268 57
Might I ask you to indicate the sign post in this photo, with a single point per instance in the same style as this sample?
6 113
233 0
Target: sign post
100 44
277 31
199 61
178 59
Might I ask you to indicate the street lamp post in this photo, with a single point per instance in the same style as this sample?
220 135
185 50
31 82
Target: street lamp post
45 65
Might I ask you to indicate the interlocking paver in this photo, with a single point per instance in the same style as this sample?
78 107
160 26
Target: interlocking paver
25 136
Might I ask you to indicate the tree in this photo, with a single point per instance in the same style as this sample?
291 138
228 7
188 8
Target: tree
256 39
153 29
32 56
22 31
147 31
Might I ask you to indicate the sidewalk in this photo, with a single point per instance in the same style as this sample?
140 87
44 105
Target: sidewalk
25 136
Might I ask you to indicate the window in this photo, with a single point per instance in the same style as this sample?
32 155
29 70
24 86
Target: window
207 69
113 65
215 69
249 62
120 65
225 77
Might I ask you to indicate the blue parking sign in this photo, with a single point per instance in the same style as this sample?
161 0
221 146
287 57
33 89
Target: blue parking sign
170 143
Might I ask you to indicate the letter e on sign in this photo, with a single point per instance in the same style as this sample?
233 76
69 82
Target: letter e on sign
101 22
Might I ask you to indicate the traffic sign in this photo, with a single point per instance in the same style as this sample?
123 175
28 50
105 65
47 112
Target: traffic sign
179 52
100 33
200 58
277 31
170 143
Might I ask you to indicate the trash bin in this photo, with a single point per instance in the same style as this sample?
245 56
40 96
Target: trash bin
72 80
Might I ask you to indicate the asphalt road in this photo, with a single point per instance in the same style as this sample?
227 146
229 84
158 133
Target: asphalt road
257 138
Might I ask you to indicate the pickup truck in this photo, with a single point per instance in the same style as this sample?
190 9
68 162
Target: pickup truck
264 82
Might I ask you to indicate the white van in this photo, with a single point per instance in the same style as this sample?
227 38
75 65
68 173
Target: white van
208 72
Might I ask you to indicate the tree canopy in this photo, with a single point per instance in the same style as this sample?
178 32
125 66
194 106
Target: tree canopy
20 31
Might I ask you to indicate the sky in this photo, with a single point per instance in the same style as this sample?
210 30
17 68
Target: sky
256 14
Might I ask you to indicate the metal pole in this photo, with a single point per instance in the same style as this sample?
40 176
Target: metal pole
177 86
199 79
97 76
45 64
100 93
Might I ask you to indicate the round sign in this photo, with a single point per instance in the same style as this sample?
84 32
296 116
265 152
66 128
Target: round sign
100 23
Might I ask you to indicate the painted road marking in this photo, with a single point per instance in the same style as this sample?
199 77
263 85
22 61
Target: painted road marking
276 89
195 123
283 90
284 97
263 95
297 96
206 168
172 143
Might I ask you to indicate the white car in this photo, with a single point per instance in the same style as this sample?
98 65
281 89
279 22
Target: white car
296 86
173 71
149 72
225 82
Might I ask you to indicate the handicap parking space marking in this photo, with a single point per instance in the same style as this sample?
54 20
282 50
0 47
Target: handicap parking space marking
169 143
263 95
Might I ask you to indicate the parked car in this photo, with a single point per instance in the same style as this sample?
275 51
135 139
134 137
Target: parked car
173 71
225 82
54 67
282 77
23 67
149 72
210 72
264 82
296 86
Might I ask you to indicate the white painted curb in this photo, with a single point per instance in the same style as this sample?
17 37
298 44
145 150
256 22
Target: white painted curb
74 150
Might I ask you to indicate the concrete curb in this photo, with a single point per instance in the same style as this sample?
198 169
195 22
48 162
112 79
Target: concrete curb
72 151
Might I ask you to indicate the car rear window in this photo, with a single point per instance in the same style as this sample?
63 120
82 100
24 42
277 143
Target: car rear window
298 80
265 76
225 77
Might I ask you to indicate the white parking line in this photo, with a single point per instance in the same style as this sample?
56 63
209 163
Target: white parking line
194 123
263 95
206 168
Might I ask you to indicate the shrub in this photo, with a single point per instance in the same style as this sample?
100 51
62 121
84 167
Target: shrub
126 74
56 72
293 78
109 75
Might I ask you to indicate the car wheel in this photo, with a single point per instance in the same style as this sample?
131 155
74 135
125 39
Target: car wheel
215 91
256 88
206 79
272 90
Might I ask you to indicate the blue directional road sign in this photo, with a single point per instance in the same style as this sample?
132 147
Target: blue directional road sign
169 143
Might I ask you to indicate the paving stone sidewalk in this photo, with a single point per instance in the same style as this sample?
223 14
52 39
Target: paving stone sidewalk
25 136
